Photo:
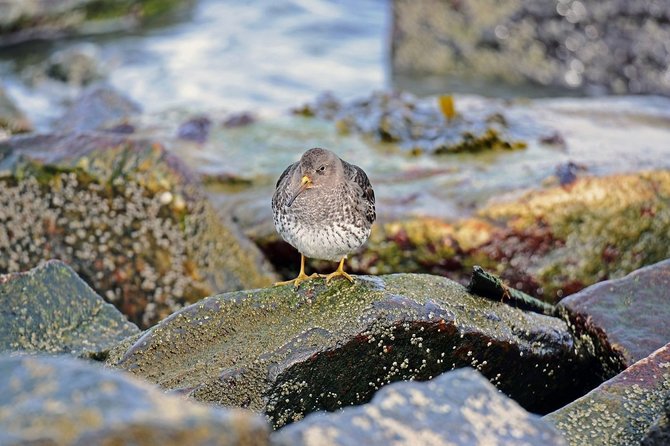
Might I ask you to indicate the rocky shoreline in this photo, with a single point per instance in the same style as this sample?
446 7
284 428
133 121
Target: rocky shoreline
137 256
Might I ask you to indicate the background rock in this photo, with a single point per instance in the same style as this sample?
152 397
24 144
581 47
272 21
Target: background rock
456 408
99 107
612 46
288 352
50 309
619 411
22 21
52 400
127 216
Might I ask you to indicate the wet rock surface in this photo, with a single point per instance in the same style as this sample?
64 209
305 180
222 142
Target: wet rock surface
629 314
127 216
50 309
621 410
59 400
288 353
608 46
456 408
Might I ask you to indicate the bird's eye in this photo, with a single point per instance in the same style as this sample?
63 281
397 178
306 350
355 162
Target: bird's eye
321 169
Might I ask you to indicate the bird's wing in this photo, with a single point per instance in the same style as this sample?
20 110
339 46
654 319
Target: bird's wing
285 174
359 177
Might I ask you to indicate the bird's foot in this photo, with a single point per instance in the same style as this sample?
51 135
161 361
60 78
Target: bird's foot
339 273
302 277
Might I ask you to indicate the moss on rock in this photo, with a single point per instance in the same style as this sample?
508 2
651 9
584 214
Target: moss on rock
288 352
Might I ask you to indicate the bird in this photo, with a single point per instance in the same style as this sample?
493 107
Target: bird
324 207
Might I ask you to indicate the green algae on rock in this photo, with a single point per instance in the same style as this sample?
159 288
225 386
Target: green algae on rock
628 316
288 352
595 229
456 408
126 216
548 243
61 400
50 309
619 411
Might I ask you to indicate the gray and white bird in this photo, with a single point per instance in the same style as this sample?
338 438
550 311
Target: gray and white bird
324 207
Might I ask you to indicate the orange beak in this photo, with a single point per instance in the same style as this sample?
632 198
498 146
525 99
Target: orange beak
305 184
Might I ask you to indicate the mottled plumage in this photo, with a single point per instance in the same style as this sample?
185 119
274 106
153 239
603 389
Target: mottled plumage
324 206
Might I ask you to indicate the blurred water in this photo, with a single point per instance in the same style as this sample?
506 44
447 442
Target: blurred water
235 55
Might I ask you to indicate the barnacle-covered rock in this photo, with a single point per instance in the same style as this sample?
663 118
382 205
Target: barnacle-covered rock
126 216
65 401
629 315
620 410
424 125
50 309
289 352
21 21
456 408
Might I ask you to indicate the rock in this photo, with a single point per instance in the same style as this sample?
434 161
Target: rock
195 129
619 411
126 215
659 432
288 353
22 21
559 240
60 400
456 408
50 309
77 65
423 125
600 47
628 316
99 107
12 120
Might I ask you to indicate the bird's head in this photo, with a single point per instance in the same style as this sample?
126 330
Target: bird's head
317 168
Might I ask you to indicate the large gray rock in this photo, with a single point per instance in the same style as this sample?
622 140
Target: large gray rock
64 401
288 353
614 45
621 410
457 408
628 316
50 309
